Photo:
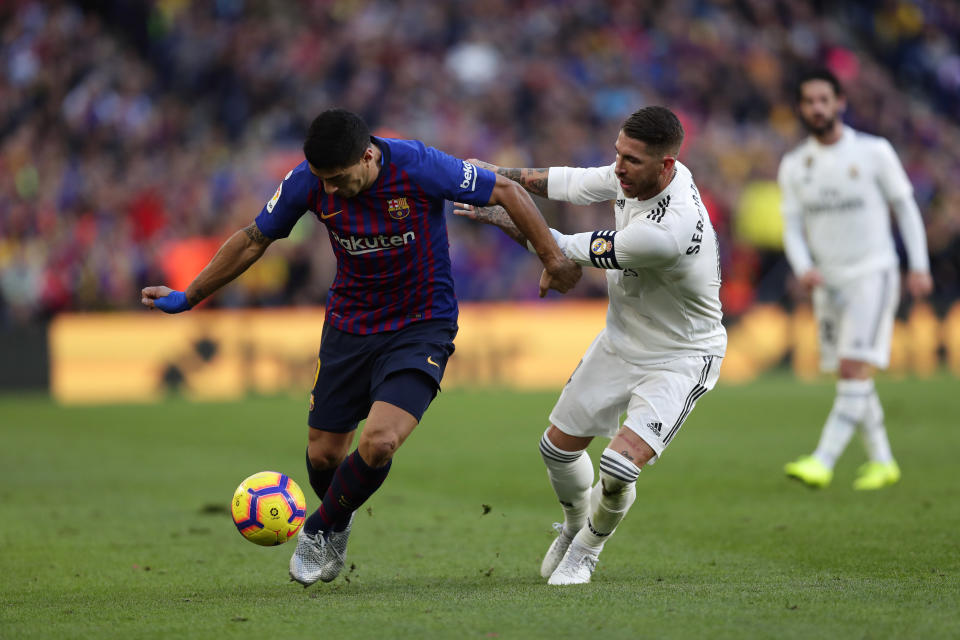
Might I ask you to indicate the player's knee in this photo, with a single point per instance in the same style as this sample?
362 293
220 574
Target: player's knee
378 447
322 459
854 370
553 455
618 473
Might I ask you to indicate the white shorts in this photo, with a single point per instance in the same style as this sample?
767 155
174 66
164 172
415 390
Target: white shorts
657 398
855 320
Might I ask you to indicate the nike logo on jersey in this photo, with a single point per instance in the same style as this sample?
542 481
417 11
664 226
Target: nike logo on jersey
325 216
430 361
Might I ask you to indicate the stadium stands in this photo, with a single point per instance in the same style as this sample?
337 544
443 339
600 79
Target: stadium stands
135 136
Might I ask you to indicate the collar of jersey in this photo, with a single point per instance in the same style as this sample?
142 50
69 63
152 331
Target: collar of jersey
384 159
846 135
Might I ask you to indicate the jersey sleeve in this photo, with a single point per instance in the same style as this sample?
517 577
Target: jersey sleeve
794 239
442 175
910 223
290 201
891 177
582 186
641 244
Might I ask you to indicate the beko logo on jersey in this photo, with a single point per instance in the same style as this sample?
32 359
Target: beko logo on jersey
469 176
356 245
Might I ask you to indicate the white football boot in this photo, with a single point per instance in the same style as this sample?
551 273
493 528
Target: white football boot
555 553
309 558
576 567
336 552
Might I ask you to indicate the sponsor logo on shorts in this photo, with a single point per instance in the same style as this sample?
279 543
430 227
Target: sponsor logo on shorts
430 361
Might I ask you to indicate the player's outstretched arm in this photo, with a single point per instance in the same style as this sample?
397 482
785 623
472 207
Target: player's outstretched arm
496 216
533 180
561 273
638 245
234 257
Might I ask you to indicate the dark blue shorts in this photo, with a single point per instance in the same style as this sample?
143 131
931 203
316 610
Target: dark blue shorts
402 367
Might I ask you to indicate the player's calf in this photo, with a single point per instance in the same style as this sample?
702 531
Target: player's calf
325 451
618 477
321 473
570 474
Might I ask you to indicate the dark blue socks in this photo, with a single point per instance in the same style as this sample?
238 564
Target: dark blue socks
353 482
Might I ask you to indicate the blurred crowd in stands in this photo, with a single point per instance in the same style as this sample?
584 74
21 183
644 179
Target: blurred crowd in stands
135 136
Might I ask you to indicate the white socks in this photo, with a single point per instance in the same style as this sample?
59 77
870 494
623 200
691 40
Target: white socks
856 404
618 477
873 431
849 409
571 474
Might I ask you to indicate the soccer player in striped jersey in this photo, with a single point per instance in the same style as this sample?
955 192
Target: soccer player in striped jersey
391 313
838 189
663 342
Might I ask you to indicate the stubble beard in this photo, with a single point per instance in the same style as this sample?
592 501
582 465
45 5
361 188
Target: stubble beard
820 130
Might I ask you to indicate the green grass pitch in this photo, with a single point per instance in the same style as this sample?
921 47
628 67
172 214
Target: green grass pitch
114 523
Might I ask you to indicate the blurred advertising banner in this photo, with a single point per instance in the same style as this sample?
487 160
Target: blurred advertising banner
225 354
138 357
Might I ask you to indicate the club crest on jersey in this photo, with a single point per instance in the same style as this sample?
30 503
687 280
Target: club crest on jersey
397 208
600 246
854 172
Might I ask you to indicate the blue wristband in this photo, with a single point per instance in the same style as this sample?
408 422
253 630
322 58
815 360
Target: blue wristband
173 302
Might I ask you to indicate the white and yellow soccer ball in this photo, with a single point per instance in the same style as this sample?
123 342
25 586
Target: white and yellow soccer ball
268 508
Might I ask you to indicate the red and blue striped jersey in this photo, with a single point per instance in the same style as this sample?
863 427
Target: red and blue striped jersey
390 241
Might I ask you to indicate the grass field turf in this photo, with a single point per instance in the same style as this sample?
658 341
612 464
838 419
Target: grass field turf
115 524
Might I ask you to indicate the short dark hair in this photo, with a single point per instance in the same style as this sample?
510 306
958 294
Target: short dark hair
337 139
658 127
820 73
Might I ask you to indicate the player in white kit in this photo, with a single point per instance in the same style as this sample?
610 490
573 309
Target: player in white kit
838 189
663 342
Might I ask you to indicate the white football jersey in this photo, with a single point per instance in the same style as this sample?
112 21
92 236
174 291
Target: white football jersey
836 207
663 267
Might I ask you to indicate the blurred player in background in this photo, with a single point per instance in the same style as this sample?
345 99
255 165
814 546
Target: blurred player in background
838 187
391 313
663 342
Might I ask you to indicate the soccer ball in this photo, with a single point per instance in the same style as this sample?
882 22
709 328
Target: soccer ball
268 508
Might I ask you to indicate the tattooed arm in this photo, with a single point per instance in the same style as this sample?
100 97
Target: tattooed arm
494 215
533 180
234 257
